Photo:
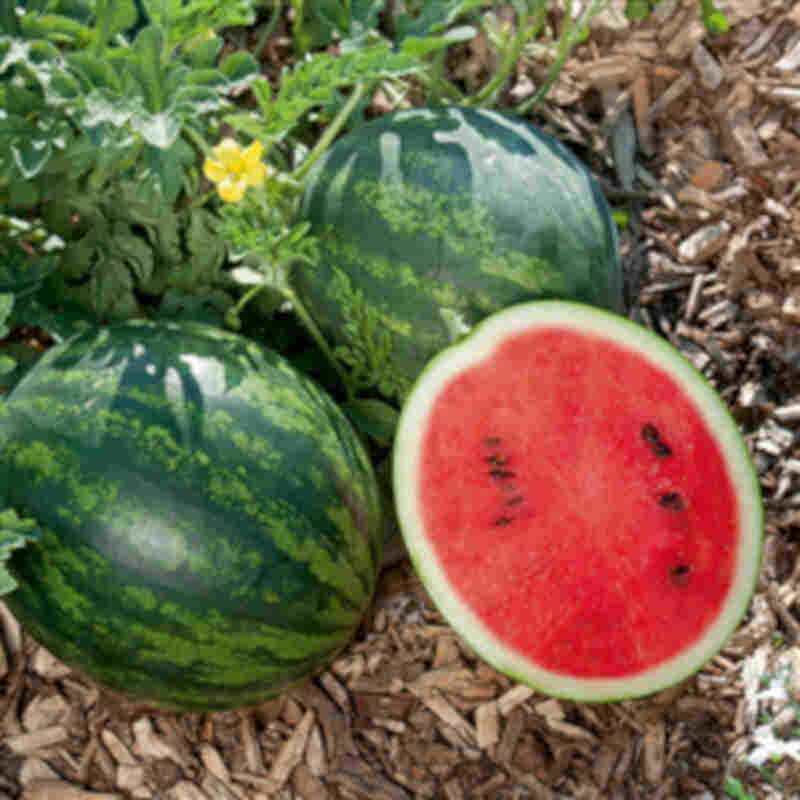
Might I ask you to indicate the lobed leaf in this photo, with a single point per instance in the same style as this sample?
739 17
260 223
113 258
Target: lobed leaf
15 532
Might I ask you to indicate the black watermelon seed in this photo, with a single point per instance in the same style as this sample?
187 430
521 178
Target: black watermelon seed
661 450
502 521
659 447
499 460
679 574
650 433
501 474
673 501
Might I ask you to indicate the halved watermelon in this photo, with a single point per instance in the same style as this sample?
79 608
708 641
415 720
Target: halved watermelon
578 501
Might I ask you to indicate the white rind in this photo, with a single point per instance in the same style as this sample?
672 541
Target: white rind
406 460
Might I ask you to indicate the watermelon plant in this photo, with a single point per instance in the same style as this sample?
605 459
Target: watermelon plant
578 502
429 220
208 524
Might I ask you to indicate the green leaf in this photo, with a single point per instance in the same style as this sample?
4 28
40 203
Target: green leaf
93 72
57 29
315 82
135 252
105 106
123 15
372 418
21 273
204 51
637 9
422 46
15 532
6 304
168 166
160 129
7 365
30 156
183 20
434 16
239 69
209 307
145 63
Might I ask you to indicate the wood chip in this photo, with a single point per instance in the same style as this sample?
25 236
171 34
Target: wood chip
675 91
316 757
445 711
487 725
118 749
186 790
28 744
512 729
704 243
291 754
514 697
250 747
307 786
359 779
711 73
129 778
48 666
653 752
212 761
36 769
60 790
148 744
44 711
744 144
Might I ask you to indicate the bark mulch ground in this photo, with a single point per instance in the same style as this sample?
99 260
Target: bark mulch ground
702 135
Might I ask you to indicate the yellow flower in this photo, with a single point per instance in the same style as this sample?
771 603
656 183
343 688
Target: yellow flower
233 168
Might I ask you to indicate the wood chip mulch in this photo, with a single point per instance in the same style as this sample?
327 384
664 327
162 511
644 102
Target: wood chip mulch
702 135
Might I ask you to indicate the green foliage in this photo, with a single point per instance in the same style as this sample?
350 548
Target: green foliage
735 789
119 125
313 83
15 532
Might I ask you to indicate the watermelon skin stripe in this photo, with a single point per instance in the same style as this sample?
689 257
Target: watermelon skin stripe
212 521
433 212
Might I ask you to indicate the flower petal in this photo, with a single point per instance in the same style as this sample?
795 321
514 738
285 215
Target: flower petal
214 170
231 190
252 153
227 150
256 174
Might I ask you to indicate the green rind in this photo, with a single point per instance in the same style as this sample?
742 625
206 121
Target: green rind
435 213
212 522
406 456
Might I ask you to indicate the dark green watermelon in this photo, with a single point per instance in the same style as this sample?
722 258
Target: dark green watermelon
211 521
433 218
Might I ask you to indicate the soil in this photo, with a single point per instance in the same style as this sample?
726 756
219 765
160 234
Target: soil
700 136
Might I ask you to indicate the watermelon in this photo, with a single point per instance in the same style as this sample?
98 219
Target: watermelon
211 522
578 502
430 219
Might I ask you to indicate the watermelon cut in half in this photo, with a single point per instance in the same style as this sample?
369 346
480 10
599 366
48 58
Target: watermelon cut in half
578 502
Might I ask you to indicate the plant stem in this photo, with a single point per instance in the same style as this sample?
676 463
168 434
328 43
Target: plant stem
510 57
316 335
565 44
267 32
332 130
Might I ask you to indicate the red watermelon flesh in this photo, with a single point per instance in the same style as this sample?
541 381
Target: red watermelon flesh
584 586
578 501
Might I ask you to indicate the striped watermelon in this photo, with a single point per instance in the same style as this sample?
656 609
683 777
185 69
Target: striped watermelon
432 218
211 521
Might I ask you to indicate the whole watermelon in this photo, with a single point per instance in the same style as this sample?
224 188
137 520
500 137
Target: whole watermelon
211 521
431 219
